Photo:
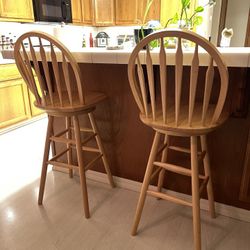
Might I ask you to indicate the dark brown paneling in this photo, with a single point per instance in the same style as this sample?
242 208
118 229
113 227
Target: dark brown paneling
127 141
240 92
245 180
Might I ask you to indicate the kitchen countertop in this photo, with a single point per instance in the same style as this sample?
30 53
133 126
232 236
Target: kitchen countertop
233 56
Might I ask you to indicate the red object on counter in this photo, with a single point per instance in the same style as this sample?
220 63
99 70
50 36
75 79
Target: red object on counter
90 40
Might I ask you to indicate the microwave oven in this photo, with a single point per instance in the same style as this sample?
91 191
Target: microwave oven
52 11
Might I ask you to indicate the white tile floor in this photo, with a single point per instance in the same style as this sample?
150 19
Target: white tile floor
60 223
21 156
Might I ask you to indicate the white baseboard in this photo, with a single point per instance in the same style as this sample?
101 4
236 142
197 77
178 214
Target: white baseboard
22 123
222 209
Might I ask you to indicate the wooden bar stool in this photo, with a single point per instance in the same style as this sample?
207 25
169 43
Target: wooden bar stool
184 114
39 58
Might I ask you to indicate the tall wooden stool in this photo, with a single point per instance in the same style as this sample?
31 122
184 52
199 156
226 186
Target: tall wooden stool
183 115
39 58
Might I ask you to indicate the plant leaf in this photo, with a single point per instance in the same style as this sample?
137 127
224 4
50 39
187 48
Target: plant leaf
149 3
154 43
197 20
199 9
185 3
175 18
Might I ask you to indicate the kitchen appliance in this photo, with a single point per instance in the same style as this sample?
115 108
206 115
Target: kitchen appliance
102 39
52 10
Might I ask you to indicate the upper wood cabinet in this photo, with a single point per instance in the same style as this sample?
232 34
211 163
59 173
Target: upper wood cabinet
126 12
132 11
76 8
87 11
111 12
82 11
154 12
16 10
104 12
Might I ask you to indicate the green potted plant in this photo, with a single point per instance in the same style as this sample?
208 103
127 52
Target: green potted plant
186 18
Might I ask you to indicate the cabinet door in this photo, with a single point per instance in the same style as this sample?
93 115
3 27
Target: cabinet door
76 11
34 110
104 12
127 12
14 102
82 11
16 10
87 11
154 11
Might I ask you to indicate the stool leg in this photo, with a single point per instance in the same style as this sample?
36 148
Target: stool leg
81 166
206 162
145 183
69 136
53 145
163 159
100 146
195 194
45 159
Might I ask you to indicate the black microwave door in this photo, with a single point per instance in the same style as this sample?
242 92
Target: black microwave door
53 10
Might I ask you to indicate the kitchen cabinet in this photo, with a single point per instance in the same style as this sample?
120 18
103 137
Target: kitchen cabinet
104 12
131 12
87 11
16 10
33 109
76 8
16 101
113 12
13 95
82 11
154 12
126 12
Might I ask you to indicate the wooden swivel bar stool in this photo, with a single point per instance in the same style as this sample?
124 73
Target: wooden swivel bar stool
184 114
60 94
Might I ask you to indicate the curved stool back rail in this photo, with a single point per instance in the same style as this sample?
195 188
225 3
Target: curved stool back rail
53 76
180 115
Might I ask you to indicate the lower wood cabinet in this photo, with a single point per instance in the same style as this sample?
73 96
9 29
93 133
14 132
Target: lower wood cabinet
16 101
14 105
33 109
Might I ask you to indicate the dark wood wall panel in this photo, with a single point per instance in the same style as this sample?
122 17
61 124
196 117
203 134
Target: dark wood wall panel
128 141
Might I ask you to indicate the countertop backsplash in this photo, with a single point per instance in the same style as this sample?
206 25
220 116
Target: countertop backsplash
72 36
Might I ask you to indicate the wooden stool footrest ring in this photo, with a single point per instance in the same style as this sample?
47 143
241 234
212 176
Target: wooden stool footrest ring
176 169
169 198
62 164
